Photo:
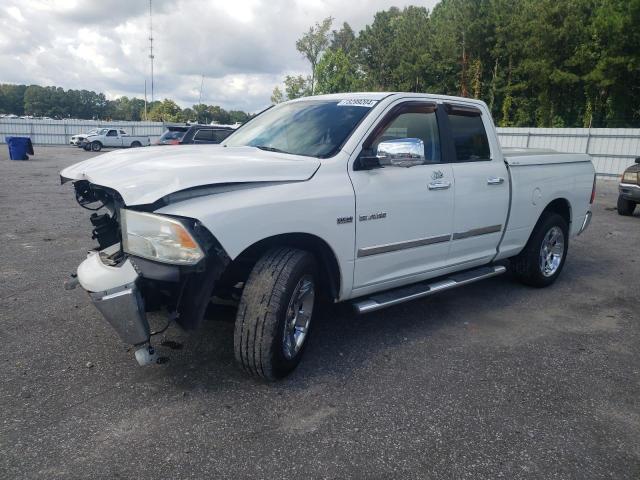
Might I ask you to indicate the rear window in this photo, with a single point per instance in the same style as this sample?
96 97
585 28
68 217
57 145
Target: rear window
172 135
469 137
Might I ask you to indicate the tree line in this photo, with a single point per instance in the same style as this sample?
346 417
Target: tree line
55 102
542 63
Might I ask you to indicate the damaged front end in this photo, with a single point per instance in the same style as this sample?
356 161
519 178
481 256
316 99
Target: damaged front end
146 262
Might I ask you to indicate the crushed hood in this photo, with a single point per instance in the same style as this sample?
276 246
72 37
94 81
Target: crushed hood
144 175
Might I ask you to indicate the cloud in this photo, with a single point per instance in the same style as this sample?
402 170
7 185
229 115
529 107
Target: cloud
242 47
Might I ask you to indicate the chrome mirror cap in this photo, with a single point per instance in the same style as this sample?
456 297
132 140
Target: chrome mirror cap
401 152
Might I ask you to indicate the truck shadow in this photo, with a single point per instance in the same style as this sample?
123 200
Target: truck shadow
342 342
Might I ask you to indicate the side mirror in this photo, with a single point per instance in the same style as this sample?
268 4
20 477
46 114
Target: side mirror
401 152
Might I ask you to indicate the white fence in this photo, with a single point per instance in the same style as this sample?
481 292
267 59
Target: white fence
612 149
58 132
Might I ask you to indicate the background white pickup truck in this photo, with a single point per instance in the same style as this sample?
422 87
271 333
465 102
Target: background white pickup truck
113 137
372 198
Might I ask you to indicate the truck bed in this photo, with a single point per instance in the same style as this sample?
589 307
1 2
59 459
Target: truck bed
541 156
539 176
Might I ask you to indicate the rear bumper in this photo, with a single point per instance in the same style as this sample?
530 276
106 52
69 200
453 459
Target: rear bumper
629 191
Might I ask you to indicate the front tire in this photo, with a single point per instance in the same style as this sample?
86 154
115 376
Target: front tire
96 146
542 259
625 207
275 313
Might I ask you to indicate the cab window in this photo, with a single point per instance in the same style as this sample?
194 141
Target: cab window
112 133
204 135
220 135
412 120
469 135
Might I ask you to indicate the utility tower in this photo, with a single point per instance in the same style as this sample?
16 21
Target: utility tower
151 57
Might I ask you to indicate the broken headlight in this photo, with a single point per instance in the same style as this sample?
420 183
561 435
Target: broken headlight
158 237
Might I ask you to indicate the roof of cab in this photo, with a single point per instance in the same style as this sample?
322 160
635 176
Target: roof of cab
378 96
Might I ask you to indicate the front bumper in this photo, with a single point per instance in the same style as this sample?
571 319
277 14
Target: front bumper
123 308
629 191
114 292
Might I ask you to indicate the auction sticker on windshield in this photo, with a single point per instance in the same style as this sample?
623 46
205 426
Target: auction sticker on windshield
357 102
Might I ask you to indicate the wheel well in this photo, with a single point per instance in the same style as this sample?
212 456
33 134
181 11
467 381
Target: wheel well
562 207
240 267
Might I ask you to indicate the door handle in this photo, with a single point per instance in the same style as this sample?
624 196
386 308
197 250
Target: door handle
495 180
439 185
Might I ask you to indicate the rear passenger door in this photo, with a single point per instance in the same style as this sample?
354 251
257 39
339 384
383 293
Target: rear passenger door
482 185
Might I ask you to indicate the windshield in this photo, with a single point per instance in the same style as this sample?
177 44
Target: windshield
103 131
314 128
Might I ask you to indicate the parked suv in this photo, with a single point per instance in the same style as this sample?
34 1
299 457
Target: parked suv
194 134
172 135
629 189
206 134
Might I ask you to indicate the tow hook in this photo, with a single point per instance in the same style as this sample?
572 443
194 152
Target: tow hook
71 282
146 355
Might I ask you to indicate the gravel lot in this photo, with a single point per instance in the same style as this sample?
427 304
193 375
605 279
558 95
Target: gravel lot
494 380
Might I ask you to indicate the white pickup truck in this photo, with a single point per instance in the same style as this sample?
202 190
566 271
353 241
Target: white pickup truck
113 137
370 198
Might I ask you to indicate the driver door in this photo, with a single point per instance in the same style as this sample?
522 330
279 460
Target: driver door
404 215
111 139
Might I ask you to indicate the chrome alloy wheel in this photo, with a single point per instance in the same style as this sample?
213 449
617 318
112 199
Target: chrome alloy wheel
551 251
298 317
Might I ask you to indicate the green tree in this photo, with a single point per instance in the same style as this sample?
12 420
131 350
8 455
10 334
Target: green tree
13 98
238 116
277 96
336 73
218 114
297 86
343 39
373 53
166 111
201 113
312 44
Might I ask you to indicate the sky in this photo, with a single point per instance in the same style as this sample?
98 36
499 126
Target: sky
242 47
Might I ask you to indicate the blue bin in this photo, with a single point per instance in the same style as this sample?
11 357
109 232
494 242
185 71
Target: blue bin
19 147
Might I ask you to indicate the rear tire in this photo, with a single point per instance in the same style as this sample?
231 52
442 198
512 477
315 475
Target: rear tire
625 207
542 259
96 146
275 313
136 145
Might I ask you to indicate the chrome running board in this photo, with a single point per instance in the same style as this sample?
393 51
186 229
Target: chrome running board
386 299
